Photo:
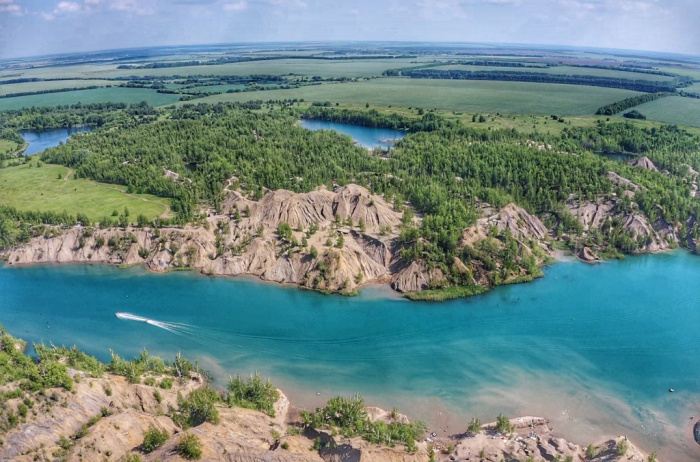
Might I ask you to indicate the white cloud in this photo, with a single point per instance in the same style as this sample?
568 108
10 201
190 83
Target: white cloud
238 6
68 7
10 7
92 2
141 7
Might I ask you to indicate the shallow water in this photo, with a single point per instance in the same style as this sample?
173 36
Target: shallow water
593 348
43 139
367 137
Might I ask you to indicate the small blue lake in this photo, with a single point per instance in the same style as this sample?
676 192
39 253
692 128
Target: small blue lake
367 137
43 139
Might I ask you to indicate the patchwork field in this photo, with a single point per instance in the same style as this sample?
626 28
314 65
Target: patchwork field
473 96
11 88
673 109
114 94
561 70
39 188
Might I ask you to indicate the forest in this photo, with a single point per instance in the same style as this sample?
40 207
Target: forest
647 86
444 169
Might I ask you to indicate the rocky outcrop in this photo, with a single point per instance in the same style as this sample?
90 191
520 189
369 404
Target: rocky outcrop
587 255
643 162
128 410
519 222
621 181
651 238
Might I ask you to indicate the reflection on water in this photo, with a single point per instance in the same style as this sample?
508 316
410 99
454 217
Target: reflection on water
367 137
40 140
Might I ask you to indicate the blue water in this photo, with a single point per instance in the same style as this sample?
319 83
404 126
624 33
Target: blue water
593 348
367 137
42 139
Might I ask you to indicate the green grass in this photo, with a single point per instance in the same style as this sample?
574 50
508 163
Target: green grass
9 89
456 95
114 94
564 70
673 109
694 88
38 188
450 293
7 146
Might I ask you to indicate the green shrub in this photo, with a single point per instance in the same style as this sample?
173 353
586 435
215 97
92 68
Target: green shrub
622 447
166 383
153 439
190 447
503 424
256 394
197 408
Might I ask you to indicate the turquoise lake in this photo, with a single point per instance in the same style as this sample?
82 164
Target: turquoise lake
367 137
42 139
593 348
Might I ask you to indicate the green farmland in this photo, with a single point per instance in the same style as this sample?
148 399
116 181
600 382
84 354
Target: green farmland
470 96
673 110
26 87
303 67
114 94
40 189
561 70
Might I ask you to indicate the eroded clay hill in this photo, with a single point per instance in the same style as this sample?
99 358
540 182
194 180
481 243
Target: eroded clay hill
105 418
335 240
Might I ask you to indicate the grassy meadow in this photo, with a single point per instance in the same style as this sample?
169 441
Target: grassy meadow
455 95
114 94
673 110
39 188
7 146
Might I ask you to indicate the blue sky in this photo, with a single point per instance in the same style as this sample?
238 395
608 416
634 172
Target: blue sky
31 27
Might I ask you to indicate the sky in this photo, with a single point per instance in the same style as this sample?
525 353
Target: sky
37 27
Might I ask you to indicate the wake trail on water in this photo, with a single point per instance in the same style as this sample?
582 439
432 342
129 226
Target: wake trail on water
379 346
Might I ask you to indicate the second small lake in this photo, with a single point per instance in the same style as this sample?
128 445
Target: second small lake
367 137
43 139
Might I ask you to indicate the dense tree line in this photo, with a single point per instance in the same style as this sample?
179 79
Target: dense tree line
443 169
93 114
619 106
54 90
647 86
373 118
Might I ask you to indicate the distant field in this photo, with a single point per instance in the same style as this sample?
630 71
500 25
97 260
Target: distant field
114 94
39 188
674 110
694 73
217 88
472 96
694 88
562 70
50 85
305 67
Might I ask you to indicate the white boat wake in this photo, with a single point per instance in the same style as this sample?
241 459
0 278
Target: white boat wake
130 317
